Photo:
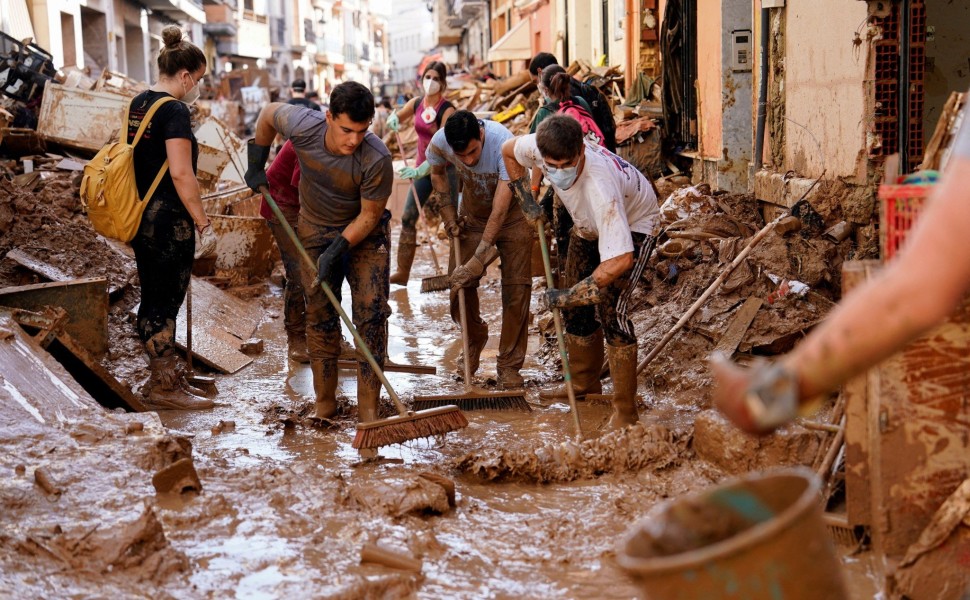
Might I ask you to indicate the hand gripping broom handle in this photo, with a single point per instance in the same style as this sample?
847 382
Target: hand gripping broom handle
557 318
417 201
336 303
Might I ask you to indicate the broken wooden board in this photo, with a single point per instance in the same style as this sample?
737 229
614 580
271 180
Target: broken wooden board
34 388
738 326
49 271
32 263
83 367
86 303
220 324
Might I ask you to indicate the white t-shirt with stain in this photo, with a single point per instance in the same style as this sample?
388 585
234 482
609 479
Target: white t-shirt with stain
608 200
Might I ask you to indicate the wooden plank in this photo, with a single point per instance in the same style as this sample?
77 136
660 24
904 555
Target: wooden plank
220 324
738 326
35 391
31 262
84 300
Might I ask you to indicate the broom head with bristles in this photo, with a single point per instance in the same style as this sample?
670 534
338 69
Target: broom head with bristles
412 426
438 283
476 399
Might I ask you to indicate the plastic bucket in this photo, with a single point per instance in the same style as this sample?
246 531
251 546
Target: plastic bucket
757 537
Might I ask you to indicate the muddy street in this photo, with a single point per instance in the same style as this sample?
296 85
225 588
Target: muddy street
286 509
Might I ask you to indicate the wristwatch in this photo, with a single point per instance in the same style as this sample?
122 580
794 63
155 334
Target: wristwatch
772 396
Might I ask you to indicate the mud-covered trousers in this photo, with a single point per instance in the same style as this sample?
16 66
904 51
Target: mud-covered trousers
514 243
581 260
294 302
164 249
409 218
366 268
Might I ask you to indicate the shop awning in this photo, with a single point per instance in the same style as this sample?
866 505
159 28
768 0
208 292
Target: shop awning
514 45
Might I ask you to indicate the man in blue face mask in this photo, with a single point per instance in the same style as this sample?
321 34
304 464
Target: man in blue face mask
614 211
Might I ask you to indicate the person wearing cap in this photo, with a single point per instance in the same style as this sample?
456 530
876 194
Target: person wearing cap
298 95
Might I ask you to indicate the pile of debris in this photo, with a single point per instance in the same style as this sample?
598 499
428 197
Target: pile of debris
513 101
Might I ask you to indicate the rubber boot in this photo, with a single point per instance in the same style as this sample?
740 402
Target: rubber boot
296 347
510 379
368 395
325 388
623 369
406 247
585 364
164 390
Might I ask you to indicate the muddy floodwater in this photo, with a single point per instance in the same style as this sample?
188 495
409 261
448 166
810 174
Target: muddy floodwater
287 506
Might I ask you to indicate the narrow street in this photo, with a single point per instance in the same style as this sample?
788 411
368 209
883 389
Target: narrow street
285 511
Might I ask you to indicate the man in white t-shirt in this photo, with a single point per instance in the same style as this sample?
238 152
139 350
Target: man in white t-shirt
614 211
489 216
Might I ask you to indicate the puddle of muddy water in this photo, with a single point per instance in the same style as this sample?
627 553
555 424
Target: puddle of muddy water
281 513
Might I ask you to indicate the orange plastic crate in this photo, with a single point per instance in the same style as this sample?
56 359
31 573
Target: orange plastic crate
901 206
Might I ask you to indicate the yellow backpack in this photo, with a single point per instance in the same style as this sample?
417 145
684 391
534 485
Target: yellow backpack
109 192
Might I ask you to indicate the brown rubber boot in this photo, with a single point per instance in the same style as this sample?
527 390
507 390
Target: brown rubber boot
368 396
510 379
406 247
296 347
325 388
585 364
164 390
623 369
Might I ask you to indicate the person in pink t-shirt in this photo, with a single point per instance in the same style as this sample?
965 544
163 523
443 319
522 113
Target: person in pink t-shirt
430 113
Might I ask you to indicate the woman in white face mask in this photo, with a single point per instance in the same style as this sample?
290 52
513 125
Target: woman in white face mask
174 228
430 112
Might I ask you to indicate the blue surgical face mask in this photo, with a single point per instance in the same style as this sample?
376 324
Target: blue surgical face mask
563 178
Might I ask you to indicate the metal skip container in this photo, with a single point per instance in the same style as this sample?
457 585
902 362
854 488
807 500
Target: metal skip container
757 537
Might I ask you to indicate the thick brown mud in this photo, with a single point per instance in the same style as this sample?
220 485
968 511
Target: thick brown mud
287 505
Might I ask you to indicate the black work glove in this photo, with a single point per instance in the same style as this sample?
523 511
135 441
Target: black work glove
532 211
333 253
256 156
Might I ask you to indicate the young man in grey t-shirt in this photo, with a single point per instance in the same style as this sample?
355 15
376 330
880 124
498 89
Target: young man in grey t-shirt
346 178
491 216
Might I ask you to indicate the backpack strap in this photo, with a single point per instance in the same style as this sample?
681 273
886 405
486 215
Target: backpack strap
140 132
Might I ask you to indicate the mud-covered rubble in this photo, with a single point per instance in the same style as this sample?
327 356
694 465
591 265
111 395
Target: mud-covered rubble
70 471
629 450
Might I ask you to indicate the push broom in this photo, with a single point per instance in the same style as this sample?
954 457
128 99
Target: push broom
408 425
557 319
439 282
473 398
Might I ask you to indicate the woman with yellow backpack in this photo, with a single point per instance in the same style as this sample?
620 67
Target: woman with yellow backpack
174 228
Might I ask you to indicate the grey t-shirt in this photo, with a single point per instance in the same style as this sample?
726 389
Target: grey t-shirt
480 180
331 185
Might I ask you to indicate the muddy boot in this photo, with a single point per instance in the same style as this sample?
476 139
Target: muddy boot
585 364
296 347
347 351
183 380
325 388
406 247
623 368
164 390
368 397
509 379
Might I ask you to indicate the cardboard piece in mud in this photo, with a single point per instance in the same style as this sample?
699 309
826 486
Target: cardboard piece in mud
220 324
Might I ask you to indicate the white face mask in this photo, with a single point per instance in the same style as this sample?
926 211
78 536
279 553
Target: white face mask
431 87
192 94
563 178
